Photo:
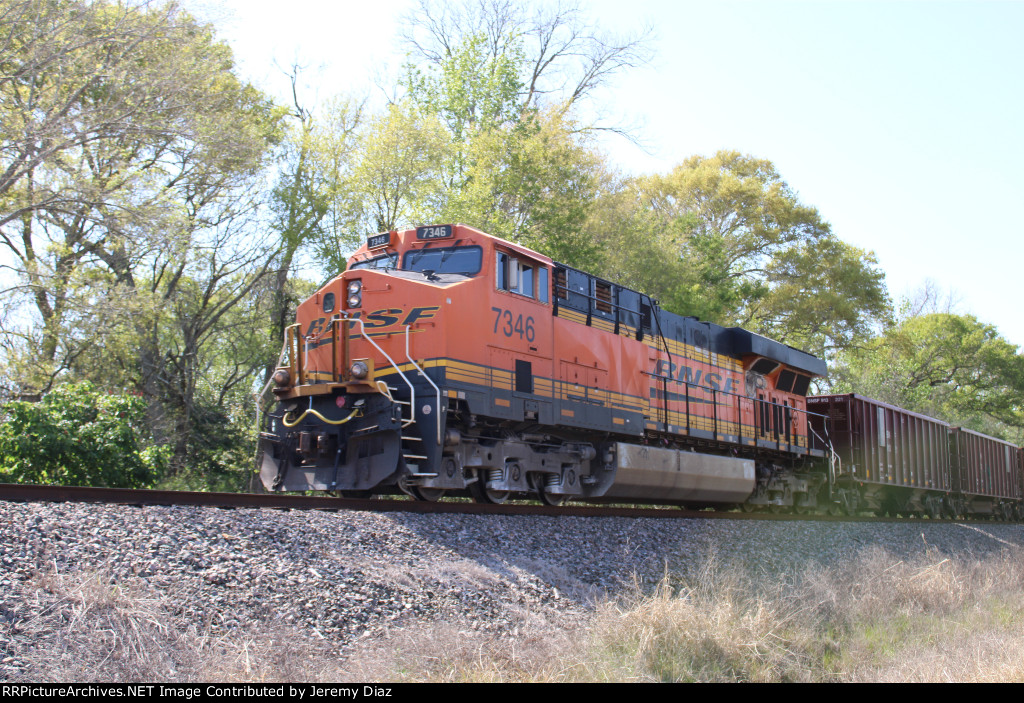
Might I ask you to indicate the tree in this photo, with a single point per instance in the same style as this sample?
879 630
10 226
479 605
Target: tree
540 182
68 78
137 235
120 122
558 57
824 295
398 173
517 166
946 365
734 244
311 203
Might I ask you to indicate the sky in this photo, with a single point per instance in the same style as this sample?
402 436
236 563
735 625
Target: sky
901 122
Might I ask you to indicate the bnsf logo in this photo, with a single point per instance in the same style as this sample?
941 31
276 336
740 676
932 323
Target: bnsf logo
385 317
684 374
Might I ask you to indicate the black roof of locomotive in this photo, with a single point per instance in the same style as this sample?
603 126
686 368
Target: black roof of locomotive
734 342
737 342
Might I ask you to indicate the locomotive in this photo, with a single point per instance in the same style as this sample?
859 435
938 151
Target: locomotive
448 361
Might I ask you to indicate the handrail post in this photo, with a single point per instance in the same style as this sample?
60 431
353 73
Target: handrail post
714 413
739 419
334 350
686 389
429 380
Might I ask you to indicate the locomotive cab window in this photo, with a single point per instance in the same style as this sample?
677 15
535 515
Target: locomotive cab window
515 275
461 260
383 262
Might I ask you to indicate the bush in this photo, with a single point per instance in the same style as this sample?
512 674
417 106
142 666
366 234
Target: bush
218 455
79 436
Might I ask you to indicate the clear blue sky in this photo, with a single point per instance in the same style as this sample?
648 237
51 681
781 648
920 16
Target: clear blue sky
900 121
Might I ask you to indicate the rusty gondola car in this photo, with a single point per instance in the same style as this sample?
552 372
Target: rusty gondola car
897 462
985 474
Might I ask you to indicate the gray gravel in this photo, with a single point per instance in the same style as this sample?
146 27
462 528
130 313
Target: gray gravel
343 576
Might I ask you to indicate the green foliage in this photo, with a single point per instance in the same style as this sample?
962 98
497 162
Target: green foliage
400 174
219 454
823 295
510 168
949 366
79 436
471 90
313 203
732 243
137 240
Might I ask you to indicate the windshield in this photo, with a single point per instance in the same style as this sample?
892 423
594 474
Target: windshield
465 260
386 261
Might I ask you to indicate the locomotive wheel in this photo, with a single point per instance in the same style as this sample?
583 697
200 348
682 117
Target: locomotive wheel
551 499
430 495
483 494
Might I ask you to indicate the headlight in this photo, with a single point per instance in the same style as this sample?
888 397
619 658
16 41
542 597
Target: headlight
359 369
355 294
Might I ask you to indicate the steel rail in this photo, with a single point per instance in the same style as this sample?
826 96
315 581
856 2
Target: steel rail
278 501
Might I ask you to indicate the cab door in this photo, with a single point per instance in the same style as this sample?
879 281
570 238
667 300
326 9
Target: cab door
520 340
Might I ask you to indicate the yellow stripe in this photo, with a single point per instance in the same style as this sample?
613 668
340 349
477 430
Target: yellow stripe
464 372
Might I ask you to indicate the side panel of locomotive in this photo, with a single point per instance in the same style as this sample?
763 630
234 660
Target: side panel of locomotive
694 379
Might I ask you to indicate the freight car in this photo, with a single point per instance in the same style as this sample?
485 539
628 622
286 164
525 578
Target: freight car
448 361
895 462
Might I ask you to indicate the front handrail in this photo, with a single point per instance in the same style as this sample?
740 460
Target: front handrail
412 389
429 380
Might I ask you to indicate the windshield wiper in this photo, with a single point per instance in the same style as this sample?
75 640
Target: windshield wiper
419 254
449 252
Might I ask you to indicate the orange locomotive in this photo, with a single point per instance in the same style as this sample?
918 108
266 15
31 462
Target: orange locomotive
448 360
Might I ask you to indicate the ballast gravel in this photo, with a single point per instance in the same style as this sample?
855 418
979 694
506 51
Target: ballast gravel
343 576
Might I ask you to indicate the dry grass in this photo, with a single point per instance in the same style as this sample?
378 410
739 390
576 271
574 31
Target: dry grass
92 630
455 652
878 618
719 626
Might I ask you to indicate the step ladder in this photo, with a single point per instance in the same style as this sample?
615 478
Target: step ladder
412 442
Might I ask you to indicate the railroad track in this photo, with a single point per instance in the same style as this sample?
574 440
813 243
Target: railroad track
131 496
